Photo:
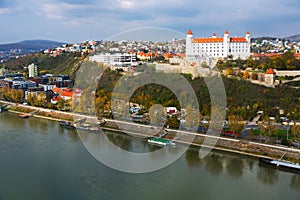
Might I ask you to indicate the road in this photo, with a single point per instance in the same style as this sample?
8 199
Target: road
147 127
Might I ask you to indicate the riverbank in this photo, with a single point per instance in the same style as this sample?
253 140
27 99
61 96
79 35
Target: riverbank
223 144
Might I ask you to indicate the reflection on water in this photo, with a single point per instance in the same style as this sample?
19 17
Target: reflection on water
267 175
250 163
235 167
295 182
120 140
32 160
130 143
217 163
192 158
72 134
213 163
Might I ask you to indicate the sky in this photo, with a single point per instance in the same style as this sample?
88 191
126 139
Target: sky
80 20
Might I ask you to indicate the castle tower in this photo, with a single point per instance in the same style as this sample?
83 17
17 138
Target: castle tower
270 77
189 46
248 36
226 42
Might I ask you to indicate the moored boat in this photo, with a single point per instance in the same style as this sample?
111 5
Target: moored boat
24 115
281 164
88 127
66 124
161 141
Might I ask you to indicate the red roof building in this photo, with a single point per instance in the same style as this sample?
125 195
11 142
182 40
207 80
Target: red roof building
270 71
218 47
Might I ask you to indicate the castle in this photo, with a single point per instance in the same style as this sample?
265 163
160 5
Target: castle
217 47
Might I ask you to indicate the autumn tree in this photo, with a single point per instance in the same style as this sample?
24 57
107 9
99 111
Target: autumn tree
192 117
246 75
295 129
235 122
254 76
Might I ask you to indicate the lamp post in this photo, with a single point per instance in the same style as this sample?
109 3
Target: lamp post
287 130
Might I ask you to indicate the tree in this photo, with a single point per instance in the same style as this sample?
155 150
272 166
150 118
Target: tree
296 130
246 74
173 122
60 104
250 62
253 76
289 59
270 126
235 122
228 71
192 117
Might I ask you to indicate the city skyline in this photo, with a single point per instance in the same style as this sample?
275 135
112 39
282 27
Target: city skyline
79 20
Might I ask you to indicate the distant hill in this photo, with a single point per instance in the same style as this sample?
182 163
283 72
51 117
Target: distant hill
295 38
260 39
34 45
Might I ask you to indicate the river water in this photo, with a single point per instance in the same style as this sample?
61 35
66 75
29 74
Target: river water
41 160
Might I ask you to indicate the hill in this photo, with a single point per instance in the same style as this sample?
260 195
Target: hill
66 63
295 38
27 45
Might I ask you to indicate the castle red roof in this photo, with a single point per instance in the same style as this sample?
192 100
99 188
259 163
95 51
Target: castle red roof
238 40
226 32
190 32
270 71
208 40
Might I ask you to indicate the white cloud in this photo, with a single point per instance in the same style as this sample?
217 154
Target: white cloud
5 11
61 10
107 17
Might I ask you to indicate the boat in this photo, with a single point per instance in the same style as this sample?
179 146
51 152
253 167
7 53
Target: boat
27 115
281 164
101 122
88 127
2 108
66 124
161 141
24 116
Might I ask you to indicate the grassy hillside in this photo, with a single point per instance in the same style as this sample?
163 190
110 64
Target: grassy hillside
62 64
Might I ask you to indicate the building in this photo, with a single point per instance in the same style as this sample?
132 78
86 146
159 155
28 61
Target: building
3 72
17 84
270 77
217 47
32 70
118 59
47 87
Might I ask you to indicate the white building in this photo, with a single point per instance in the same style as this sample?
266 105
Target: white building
270 77
3 72
47 87
217 47
118 59
32 70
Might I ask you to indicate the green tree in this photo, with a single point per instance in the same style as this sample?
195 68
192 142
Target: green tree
60 104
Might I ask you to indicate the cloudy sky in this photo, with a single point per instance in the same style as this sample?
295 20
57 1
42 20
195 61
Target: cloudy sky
79 20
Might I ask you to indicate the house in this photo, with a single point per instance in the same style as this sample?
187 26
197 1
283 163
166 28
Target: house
171 110
64 93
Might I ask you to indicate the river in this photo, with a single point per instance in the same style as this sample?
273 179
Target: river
41 160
